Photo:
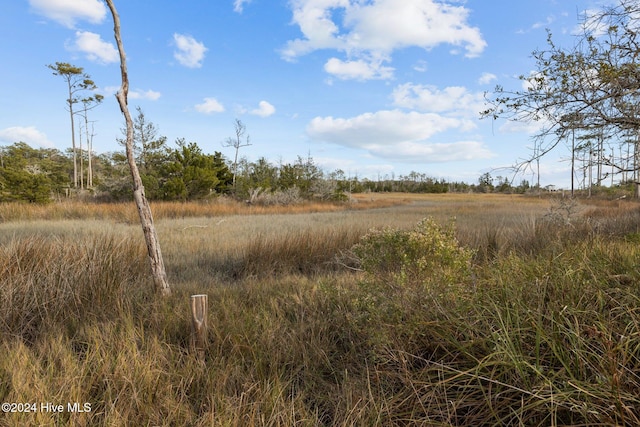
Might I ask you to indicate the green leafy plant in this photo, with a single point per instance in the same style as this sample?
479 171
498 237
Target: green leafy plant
425 253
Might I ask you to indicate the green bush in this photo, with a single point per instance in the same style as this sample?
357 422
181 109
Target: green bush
407 272
429 252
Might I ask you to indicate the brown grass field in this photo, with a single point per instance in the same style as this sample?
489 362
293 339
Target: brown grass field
528 314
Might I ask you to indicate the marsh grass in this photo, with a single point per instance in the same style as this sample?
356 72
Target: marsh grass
542 331
48 281
222 206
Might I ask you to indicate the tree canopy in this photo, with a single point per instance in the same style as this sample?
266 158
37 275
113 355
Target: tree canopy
590 89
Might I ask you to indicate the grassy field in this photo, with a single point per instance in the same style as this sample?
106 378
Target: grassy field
501 310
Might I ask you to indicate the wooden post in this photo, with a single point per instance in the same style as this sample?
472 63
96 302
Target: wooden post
199 324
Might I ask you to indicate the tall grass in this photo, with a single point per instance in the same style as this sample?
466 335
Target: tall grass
126 212
49 282
541 326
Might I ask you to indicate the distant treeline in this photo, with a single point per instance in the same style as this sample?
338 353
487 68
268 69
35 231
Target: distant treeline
185 172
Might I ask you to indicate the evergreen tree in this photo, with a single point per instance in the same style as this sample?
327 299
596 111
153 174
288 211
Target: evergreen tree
77 80
31 175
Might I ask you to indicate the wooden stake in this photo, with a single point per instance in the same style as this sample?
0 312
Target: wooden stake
199 324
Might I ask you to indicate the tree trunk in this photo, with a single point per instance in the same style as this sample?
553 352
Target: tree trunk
81 175
89 161
144 211
573 160
73 138
89 138
636 163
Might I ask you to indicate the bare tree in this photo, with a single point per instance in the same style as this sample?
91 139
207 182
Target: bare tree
237 143
88 104
144 210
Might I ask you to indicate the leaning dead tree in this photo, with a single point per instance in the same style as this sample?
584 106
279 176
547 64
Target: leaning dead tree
144 210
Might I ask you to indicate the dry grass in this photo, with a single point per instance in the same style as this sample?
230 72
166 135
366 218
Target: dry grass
126 212
545 331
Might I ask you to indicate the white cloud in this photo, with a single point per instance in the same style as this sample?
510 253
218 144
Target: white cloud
238 5
392 24
528 127
537 82
359 69
421 66
429 152
210 105
190 52
591 24
264 109
352 167
96 49
67 12
370 31
29 134
150 95
403 136
455 101
386 125
487 78
550 19
314 19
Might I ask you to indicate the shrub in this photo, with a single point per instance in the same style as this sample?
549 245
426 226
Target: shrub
415 277
427 252
284 197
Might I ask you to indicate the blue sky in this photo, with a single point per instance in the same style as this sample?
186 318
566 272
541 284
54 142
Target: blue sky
376 88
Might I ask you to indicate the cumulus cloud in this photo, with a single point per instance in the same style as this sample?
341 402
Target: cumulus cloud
96 49
29 134
358 70
264 109
487 78
530 127
189 52
592 24
210 105
386 125
67 12
392 24
430 152
454 101
150 95
399 135
351 167
371 31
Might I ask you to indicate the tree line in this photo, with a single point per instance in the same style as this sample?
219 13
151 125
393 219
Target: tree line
184 172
